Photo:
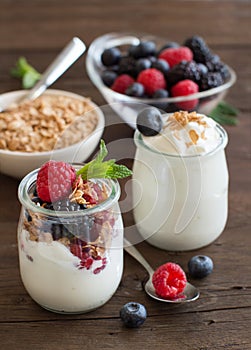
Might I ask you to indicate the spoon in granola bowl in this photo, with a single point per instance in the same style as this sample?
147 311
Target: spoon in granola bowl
190 292
72 51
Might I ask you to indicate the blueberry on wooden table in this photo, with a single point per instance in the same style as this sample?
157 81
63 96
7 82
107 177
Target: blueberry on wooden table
133 314
200 266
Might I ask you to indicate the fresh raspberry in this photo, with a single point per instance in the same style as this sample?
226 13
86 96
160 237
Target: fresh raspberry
175 55
152 79
54 180
169 281
184 88
121 83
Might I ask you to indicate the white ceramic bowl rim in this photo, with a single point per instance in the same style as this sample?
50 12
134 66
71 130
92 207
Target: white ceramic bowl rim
94 66
59 150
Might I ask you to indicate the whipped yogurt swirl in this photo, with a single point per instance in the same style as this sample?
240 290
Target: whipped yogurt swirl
186 133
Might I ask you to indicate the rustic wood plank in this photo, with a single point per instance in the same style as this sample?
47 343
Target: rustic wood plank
203 331
54 20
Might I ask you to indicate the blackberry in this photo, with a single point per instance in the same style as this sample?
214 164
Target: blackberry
127 65
203 68
80 228
217 66
184 70
211 80
201 52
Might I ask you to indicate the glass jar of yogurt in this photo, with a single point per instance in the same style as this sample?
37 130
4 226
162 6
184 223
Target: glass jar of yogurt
70 261
180 183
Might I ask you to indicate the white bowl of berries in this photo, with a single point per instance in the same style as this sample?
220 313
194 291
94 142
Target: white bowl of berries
133 70
58 125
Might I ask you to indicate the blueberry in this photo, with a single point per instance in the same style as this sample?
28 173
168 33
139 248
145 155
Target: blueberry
135 90
110 56
161 65
143 49
108 77
200 266
142 63
152 58
161 93
133 314
149 121
169 45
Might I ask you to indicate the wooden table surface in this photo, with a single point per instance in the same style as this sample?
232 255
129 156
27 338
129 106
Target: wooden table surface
221 318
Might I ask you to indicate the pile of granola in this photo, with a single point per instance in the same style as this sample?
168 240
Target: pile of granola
47 123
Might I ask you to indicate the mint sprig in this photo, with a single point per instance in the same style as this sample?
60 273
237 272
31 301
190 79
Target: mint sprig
224 114
26 72
98 168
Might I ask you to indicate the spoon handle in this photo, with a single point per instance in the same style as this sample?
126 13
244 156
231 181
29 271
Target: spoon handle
62 62
130 249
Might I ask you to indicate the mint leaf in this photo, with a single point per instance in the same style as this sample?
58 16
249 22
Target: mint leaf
225 108
29 80
102 152
97 168
25 72
117 171
224 114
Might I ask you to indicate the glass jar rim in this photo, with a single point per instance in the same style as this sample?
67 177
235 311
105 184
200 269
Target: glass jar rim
139 142
30 179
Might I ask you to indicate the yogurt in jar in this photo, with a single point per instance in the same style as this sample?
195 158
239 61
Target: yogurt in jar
180 187
55 279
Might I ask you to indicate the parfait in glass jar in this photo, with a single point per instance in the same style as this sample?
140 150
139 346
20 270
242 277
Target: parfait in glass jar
70 234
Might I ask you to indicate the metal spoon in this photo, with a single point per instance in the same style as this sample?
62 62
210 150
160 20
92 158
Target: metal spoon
72 51
190 293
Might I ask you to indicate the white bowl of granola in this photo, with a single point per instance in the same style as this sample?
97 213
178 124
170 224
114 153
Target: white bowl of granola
58 125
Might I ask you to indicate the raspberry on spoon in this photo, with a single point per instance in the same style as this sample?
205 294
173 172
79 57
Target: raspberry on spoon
55 180
169 281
